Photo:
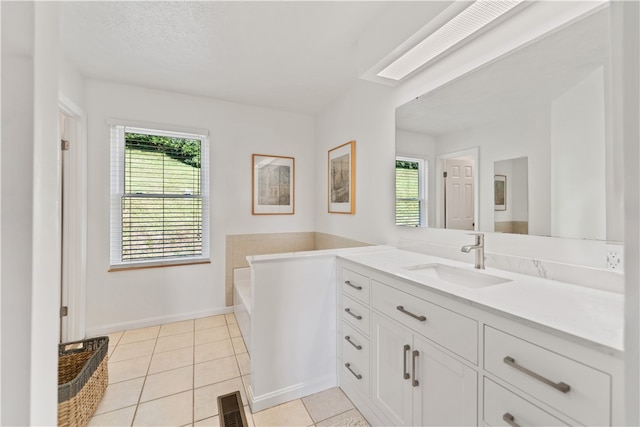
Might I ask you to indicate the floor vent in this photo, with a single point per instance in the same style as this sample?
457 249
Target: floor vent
231 410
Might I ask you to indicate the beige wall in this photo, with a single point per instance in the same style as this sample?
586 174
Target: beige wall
239 246
515 227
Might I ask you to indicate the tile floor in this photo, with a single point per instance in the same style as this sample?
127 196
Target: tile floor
171 375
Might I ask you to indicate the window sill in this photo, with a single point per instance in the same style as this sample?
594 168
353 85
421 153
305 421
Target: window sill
156 264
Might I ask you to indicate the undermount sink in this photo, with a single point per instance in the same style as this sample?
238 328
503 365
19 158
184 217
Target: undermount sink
457 276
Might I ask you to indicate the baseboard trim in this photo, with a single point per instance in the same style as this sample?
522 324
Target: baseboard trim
154 321
297 391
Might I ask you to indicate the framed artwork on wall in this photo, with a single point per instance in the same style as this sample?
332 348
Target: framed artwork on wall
500 192
342 179
273 187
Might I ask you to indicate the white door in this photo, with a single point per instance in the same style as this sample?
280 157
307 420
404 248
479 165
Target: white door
459 189
391 370
447 391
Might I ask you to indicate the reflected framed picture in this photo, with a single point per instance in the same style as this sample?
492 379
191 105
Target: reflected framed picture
342 178
500 192
273 188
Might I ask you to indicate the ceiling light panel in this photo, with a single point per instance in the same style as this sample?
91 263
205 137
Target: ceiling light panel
472 19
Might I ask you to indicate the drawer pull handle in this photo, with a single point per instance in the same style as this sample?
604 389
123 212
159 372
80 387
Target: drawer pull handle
348 366
357 316
357 346
509 419
558 386
420 318
415 382
358 287
405 352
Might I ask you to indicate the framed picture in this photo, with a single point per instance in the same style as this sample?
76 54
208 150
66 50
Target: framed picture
500 192
273 185
342 179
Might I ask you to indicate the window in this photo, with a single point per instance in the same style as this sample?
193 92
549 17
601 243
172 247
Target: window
410 191
159 197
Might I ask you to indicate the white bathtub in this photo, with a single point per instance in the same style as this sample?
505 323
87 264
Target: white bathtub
242 302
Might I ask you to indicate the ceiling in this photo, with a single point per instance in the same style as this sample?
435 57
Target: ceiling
532 76
295 56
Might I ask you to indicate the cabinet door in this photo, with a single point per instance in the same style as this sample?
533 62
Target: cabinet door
391 346
447 390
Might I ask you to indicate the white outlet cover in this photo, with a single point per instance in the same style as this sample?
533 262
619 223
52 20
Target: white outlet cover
615 257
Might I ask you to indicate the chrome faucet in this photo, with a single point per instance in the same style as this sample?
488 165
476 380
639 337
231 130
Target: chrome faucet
479 248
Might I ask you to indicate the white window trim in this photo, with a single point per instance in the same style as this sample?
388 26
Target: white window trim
117 138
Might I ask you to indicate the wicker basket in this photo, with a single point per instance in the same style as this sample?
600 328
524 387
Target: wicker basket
82 379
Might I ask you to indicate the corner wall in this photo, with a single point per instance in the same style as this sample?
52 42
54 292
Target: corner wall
135 298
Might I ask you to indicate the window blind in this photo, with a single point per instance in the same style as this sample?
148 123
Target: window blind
159 196
409 192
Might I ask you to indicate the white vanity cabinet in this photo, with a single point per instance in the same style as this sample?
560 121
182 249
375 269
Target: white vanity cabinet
387 360
415 383
412 356
354 323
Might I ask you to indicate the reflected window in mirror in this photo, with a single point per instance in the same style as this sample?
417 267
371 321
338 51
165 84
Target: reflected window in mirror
411 204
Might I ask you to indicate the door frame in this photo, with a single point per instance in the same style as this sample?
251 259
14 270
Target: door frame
472 153
75 253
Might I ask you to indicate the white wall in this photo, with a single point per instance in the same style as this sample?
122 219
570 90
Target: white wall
45 262
626 89
30 215
17 208
365 115
578 193
126 299
70 83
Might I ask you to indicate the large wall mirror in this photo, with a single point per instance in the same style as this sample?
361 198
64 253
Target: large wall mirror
522 144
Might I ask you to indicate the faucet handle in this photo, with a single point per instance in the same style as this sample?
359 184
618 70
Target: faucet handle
479 238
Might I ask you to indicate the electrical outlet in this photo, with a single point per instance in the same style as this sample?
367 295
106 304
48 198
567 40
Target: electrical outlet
614 258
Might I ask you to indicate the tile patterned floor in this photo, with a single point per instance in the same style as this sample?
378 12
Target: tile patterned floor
171 375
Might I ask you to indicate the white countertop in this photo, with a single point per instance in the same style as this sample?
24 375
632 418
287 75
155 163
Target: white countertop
589 316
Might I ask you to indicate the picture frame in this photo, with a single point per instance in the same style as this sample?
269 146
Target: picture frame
342 179
500 192
273 185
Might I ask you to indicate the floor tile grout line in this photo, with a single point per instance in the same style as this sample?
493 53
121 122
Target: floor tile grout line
135 413
193 376
304 405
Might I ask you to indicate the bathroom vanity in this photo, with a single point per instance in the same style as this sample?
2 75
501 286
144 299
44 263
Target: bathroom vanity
430 341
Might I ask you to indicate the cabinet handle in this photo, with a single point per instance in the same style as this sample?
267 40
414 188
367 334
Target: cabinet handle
509 419
558 386
348 366
405 351
357 316
358 287
420 318
415 382
348 338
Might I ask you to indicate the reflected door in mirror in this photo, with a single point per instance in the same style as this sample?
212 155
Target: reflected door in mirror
458 194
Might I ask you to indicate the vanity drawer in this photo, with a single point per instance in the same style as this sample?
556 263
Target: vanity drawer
501 405
355 357
356 313
449 329
575 389
356 285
